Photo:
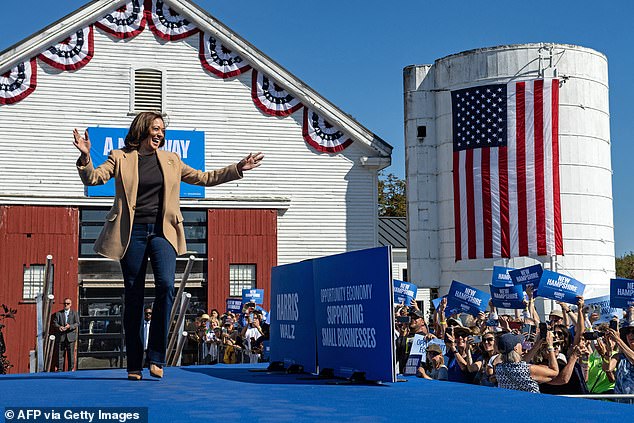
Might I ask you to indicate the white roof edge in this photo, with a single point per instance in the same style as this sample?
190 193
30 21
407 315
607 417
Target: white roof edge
66 26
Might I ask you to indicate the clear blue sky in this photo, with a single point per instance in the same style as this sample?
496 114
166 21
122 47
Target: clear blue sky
353 53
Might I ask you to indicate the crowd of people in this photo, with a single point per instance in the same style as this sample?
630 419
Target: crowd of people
570 353
231 337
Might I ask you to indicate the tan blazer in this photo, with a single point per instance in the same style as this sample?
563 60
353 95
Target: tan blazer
123 166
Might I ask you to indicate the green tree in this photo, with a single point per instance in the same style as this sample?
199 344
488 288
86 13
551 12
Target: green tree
392 198
625 266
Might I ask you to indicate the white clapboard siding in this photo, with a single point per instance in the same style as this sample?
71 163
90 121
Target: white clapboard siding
332 197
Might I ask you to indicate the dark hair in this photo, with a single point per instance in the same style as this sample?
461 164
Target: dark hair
140 130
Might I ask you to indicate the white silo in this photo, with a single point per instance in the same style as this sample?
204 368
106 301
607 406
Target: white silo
584 161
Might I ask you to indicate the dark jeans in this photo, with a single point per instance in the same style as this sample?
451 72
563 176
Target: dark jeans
144 244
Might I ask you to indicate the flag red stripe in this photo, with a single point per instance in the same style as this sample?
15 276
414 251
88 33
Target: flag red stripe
486 202
559 242
504 201
520 140
456 204
540 196
471 223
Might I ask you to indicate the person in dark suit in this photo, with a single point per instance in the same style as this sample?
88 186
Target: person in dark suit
66 322
146 222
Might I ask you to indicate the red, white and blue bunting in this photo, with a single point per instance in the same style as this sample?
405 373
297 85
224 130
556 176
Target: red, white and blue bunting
73 53
321 135
272 98
19 82
166 23
218 59
126 22
130 20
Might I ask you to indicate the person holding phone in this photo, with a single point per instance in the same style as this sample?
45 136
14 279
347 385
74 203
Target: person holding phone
622 364
435 362
485 351
416 326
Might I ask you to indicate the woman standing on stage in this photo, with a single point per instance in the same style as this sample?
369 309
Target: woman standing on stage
145 222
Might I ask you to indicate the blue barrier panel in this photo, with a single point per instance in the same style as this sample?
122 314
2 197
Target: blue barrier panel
354 313
621 293
292 317
189 145
560 287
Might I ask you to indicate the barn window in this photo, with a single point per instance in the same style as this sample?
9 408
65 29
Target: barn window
33 281
147 90
241 276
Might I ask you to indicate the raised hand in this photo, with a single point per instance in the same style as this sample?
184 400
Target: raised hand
81 143
251 161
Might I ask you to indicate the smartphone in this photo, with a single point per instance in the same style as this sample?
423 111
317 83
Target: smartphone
592 335
543 328
403 319
528 328
614 324
515 325
251 316
493 322
477 339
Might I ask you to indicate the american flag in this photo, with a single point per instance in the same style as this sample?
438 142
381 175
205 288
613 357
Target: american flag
506 170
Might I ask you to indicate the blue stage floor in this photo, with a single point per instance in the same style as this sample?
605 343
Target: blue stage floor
233 393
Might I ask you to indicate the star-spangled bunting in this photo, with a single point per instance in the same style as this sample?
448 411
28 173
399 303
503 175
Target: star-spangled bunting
220 60
321 135
18 82
272 98
130 20
506 170
167 23
73 53
126 22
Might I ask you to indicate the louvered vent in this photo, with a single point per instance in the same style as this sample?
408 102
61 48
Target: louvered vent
148 90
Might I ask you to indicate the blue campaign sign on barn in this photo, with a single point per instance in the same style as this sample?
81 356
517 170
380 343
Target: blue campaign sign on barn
621 293
560 287
292 316
466 299
354 313
189 145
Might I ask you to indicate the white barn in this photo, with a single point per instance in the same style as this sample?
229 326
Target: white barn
315 194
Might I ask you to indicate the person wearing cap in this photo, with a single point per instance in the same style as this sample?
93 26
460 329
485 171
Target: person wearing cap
622 364
417 326
556 317
458 354
435 362
512 372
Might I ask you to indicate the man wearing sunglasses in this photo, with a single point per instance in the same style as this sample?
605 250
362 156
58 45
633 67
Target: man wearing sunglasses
66 322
